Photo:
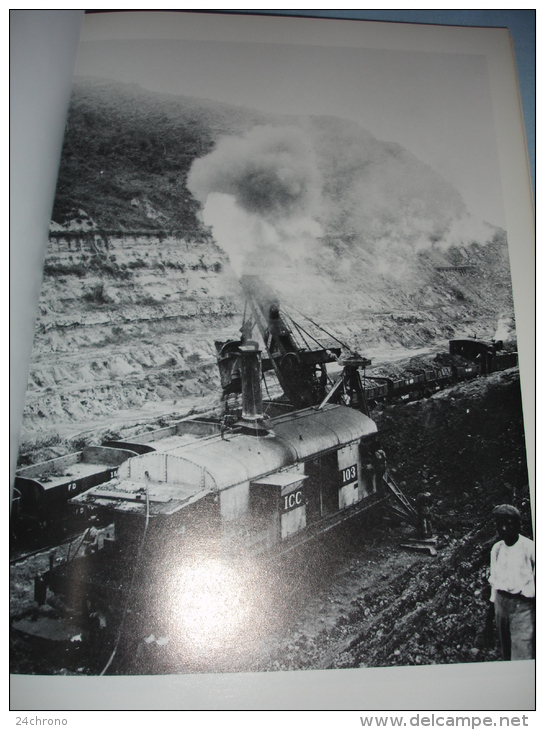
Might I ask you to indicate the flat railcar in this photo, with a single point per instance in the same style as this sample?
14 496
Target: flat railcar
43 490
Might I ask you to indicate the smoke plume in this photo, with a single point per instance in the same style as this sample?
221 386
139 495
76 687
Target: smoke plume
260 194
328 199
505 328
270 172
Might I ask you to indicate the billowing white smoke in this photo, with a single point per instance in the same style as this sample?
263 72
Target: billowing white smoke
463 231
394 203
260 194
505 327
327 199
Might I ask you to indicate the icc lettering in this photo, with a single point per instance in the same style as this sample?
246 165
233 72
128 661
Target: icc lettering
293 500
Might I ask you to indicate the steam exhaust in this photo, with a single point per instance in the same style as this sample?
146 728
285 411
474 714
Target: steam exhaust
252 401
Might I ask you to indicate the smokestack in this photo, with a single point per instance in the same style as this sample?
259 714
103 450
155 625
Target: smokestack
250 365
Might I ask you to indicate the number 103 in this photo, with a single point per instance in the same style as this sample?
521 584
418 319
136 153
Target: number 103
348 475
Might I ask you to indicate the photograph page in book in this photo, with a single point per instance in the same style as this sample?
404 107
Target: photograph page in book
274 398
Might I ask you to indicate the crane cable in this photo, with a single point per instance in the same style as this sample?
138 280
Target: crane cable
302 332
322 329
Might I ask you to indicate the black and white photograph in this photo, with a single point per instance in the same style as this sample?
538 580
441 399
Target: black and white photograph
273 420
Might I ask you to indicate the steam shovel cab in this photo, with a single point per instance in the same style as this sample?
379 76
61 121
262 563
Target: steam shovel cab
217 507
253 491
267 482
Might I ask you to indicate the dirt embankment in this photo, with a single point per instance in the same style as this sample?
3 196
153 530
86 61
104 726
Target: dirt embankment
125 328
368 602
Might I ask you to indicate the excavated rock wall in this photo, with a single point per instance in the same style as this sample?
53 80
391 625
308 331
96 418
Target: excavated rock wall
124 324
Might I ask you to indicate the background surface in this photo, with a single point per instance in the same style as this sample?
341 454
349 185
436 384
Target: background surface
521 24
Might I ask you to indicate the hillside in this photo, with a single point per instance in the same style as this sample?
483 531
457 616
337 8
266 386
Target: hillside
163 201
128 152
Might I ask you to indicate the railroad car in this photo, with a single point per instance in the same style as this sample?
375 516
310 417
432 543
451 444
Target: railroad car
375 390
407 387
486 356
42 491
466 371
259 489
251 488
438 378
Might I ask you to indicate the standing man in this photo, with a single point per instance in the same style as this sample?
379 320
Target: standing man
380 465
512 577
423 507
